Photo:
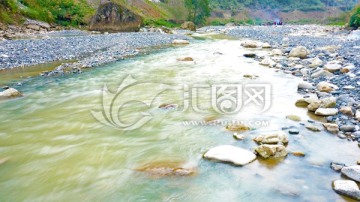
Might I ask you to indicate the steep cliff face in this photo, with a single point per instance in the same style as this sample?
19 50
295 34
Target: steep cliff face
114 17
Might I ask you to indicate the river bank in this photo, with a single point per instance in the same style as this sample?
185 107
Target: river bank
329 66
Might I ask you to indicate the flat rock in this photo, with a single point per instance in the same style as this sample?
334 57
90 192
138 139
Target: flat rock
326 111
230 154
322 73
347 188
332 67
274 138
352 172
180 42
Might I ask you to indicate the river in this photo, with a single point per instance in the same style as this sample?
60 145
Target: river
58 151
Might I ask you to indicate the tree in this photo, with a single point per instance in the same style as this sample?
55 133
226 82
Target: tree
198 10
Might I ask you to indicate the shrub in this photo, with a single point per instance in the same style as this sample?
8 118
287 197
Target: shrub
355 18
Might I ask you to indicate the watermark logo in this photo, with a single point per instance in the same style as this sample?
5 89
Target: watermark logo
114 103
225 99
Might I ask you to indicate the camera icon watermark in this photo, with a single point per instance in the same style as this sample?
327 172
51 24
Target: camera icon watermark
224 99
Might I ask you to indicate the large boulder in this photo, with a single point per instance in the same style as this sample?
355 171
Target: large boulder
299 52
189 26
352 172
347 188
114 17
271 151
231 154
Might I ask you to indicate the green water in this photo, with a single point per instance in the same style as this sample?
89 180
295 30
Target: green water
59 152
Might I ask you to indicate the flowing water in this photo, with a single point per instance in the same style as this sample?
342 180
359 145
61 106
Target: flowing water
58 151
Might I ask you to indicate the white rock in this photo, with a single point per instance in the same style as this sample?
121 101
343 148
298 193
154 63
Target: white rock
315 62
322 73
300 52
326 111
305 85
268 62
332 67
8 93
274 138
276 52
266 45
352 172
250 44
347 188
357 115
232 154
349 87
180 42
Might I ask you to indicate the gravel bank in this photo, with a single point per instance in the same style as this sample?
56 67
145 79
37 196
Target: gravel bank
337 49
92 49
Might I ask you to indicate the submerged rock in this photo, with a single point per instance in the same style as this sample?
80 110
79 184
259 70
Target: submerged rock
271 151
237 127
186 59
293 118
337 166
167 169
250 55
274 138
180 42
230 154
352 172
313 128
347 188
